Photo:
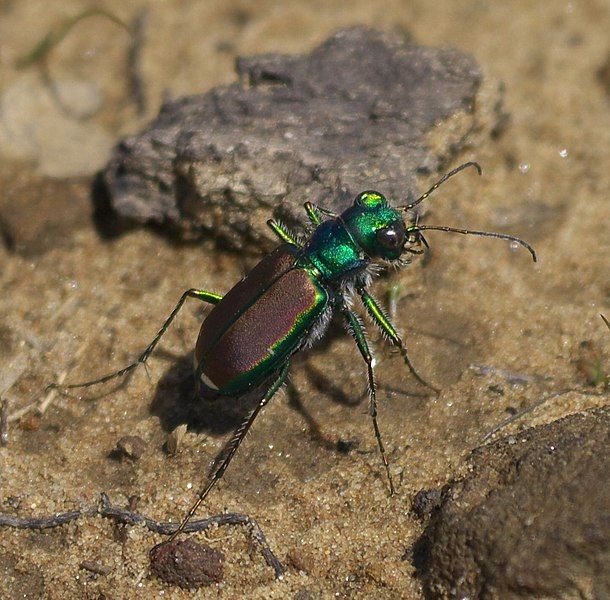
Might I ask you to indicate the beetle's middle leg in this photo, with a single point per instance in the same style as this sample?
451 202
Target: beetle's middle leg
380 319
202 295
231 449
314 211
356 329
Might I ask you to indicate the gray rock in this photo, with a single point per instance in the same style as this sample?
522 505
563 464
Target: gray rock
531 520
351 115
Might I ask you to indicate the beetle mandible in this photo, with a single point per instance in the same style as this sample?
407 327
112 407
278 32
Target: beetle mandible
297 288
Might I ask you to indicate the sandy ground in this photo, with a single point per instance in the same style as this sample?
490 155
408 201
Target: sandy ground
73 302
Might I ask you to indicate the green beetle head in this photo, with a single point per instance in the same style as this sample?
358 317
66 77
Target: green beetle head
380 231
377 227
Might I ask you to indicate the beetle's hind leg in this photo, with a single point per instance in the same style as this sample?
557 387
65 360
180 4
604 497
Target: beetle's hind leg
380 319
202 295
356 329
231 449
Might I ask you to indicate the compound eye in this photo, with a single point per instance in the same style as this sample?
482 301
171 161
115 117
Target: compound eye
391 237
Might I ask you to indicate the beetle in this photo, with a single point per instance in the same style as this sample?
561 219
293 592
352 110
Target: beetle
285 303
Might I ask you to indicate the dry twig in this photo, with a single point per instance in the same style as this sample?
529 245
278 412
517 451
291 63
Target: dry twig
128 517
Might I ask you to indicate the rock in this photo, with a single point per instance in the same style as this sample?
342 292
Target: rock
131 446
425 502
531 520
187 563
351 115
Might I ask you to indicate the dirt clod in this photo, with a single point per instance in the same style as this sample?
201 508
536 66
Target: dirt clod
187 563
425 502
531 520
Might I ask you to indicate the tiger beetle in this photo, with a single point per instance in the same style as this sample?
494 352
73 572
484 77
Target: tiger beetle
285 304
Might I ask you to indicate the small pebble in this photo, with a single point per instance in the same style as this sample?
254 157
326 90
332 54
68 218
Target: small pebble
131 446
96 567
175 439
187 563
425 502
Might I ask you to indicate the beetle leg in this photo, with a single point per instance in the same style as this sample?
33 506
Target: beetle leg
234 444
313 213
202 295
282 232
381 320
356 329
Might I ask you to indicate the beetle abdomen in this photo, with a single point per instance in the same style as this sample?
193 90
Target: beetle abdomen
258 324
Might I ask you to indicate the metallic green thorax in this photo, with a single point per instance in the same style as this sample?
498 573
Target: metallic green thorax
332 251
344 245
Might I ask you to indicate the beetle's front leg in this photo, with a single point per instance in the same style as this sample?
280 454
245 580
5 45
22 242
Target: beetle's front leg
382 321
282 232
312 213
356 329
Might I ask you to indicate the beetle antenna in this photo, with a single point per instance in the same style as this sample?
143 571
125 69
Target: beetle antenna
502 236
442 180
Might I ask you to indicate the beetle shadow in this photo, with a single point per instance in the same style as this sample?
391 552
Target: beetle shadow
315 431
335 390
339 390
323 383
177 401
